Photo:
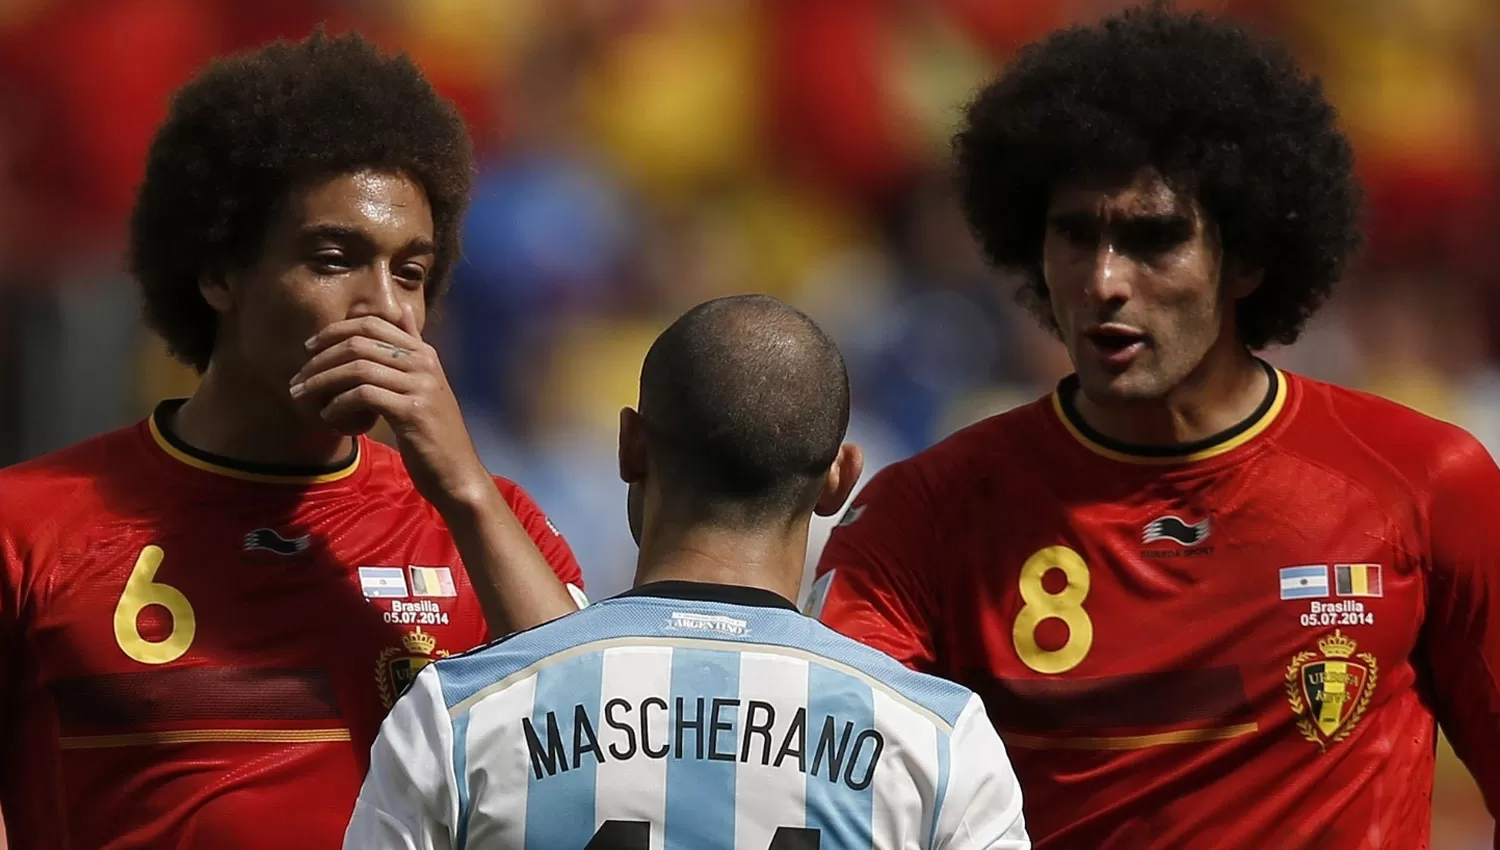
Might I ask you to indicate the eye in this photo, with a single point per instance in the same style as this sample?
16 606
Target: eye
1076 232
414 274
1153 238
329 262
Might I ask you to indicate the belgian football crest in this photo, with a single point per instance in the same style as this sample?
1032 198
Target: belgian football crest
398 666
1330 689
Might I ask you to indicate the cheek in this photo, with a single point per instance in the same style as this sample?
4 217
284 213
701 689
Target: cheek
1195 327
286 311
1187 281
307 304
1058 263
1194 317
1062 273
418 303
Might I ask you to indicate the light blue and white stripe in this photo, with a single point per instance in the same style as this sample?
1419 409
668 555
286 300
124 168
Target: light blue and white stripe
1309 582
620 722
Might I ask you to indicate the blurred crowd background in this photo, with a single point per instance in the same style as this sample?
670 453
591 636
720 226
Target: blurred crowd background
640 156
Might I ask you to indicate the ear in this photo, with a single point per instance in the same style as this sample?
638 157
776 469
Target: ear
215 287
632 446
840 481
1240 282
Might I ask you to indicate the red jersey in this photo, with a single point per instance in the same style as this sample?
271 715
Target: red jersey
1245 643
199 655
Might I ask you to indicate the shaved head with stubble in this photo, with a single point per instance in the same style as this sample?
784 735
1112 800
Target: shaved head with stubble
743 408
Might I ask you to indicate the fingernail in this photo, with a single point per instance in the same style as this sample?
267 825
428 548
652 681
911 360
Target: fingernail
297 389
311 341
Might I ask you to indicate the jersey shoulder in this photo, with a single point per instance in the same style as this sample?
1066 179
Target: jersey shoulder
962 468
938 696
387 472
997 436
1359 431
524 506
40 495
661 621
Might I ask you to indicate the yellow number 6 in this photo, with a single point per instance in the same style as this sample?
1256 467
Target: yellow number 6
1065 605
141 591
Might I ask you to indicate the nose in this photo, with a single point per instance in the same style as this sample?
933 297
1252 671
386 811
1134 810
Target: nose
377 294
1109 280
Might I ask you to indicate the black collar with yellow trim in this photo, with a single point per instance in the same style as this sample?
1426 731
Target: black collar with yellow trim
166 436
1067 395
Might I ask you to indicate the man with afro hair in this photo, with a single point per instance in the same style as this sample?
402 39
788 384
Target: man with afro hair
206 617
1209 604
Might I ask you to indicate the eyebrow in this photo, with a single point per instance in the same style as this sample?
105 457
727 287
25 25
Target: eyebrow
340 233
1170 218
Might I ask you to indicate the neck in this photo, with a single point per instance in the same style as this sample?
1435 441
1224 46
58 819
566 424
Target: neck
768 559
1220 393
229 416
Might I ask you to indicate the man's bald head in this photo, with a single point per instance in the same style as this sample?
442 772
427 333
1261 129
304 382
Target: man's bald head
745 401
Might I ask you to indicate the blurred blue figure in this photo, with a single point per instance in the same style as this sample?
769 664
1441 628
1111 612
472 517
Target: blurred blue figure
545 233
941 331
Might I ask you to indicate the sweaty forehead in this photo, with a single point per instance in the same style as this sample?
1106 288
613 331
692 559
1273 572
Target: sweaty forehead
385 206
1142 195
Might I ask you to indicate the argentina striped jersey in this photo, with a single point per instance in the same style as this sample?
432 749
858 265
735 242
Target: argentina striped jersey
685 717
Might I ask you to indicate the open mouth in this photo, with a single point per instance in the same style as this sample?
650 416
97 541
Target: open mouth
1116 345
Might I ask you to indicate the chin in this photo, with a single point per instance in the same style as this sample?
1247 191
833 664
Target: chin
1119 390
356 424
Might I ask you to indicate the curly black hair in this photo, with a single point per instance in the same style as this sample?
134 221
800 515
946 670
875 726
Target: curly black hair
250 126
1219 112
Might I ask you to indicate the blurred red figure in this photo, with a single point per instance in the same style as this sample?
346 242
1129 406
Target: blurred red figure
1209 604
205 617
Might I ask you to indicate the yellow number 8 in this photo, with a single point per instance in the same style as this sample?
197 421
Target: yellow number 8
1065 605
141 591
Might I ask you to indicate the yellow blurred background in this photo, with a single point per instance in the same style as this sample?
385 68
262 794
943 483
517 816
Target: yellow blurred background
639 156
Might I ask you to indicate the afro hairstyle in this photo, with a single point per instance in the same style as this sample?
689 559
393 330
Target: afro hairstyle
1220 113
247 129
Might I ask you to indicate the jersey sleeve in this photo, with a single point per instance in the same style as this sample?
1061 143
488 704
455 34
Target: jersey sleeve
11 581
8 642
409 800
982 807
873 577
1462 638
547 538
